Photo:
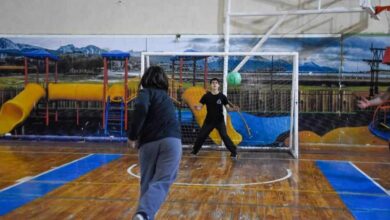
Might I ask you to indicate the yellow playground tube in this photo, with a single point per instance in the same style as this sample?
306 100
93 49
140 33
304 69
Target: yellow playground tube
192 96
117 93
18 109
76 91
88 92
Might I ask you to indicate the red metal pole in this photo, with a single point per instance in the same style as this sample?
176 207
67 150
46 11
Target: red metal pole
56 73
47 72
25 72
206 72
47 113
105 73
126 90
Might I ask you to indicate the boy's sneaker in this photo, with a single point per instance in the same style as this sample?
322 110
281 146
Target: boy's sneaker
234 157
193 154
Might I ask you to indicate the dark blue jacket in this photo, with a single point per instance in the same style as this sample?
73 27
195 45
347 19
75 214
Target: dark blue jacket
154 117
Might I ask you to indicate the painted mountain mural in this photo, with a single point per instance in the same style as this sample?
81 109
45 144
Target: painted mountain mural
317 54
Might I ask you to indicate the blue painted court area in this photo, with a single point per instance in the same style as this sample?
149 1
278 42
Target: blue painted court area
364 198
22 193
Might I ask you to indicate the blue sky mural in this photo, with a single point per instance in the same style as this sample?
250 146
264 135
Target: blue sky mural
357 48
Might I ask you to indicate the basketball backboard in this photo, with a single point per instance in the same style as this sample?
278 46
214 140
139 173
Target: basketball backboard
367 6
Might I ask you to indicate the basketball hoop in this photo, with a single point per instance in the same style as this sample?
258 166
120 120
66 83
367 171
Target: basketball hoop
386 56
367 6
379 9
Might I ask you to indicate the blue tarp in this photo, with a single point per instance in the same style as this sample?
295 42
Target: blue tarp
116 55
186 116
264 130
40 54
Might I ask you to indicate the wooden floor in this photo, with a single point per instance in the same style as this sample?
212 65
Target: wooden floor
260 185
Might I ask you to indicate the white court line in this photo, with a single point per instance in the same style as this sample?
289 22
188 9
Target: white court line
48 171
132 154
24 179
368 177
289 173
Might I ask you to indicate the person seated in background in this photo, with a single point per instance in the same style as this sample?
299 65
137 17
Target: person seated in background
378 100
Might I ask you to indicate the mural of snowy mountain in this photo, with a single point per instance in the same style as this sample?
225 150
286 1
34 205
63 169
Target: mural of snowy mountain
215 64
313 58
27 47
7 46
313 67
91 49
11 48
252 65
88 50
70 48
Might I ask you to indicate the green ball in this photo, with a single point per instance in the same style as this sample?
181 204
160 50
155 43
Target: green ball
234 78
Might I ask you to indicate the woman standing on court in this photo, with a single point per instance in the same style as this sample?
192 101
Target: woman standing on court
157 130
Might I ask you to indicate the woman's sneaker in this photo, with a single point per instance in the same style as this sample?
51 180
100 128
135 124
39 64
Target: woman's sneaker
140 216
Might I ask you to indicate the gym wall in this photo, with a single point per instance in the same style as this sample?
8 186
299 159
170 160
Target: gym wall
139 17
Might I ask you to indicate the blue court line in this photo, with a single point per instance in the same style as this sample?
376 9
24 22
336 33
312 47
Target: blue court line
22 193
364 198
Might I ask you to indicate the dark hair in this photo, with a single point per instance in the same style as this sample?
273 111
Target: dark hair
214 79
155 77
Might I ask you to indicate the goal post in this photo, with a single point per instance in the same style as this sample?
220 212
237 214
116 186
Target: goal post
266 90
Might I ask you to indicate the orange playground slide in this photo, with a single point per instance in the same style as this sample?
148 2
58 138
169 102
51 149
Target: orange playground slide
192 96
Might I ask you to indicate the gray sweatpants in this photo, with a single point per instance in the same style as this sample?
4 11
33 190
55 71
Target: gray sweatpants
159 162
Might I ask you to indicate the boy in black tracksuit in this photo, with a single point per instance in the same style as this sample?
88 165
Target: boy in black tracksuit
214 101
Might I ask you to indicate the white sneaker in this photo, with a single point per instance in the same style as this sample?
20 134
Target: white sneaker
138 217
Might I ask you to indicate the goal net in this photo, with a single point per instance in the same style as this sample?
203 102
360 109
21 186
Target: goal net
265 89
